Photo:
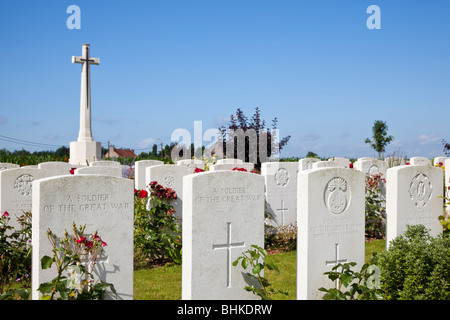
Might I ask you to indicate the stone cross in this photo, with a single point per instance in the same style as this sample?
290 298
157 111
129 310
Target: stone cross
336 260
228 246
282 210
85 133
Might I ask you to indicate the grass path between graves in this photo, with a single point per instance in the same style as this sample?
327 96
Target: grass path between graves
164 283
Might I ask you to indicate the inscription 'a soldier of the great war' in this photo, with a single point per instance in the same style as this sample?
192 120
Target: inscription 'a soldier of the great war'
336 195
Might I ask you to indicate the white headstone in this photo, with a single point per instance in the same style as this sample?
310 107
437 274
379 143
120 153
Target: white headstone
229 161
192 164
394 161
5 165
56 168
230 166
16 190
306 163
341 162
371 166
412 198
436 160
139 172
331 227
328 164
281 191
169 176
223 215
101 203
106 171
420 161
105 163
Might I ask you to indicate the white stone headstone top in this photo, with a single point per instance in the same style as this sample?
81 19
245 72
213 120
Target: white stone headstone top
5 165
306 163
107 171
438 160
229 161
139 172
420 161
230 166
56 168
105 163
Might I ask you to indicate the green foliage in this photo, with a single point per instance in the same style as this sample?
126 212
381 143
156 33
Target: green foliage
15 258
250 258
360 284
416 266
380 138
77 256
281 239
23 157
375 211
156 228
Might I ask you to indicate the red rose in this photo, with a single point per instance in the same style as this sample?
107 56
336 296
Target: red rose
143 193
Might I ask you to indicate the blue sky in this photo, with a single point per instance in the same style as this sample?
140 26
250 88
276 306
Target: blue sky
165 64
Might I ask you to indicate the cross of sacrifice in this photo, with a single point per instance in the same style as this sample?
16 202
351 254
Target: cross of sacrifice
336 259
283 210
85 133
228 246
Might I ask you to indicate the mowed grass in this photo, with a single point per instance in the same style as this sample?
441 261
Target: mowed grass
164 283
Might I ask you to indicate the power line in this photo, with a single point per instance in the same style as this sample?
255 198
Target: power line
29 143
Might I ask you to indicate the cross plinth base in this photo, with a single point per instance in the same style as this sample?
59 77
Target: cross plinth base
85 152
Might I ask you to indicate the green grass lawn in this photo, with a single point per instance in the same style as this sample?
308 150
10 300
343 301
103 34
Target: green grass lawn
165 283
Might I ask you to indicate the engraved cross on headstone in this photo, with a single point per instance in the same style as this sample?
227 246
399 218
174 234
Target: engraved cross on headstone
229 245
85 133
283 210
336 259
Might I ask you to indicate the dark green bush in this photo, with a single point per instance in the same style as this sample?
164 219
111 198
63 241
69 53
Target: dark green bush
416 266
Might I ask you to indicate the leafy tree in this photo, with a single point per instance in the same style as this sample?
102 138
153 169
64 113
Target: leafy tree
311 154
380 138
241 121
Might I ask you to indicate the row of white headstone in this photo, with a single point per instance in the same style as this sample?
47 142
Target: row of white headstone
223 215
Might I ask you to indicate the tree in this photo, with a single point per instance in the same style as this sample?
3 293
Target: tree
253 129
311 154
446 147
380 138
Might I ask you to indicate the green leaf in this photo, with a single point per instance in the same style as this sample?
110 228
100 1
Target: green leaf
6 295
257 268
46 262
346 279
22 293
244 263
45 287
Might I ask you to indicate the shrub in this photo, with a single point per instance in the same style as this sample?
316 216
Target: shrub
282 239
416 266
15 253
375 211
156 229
